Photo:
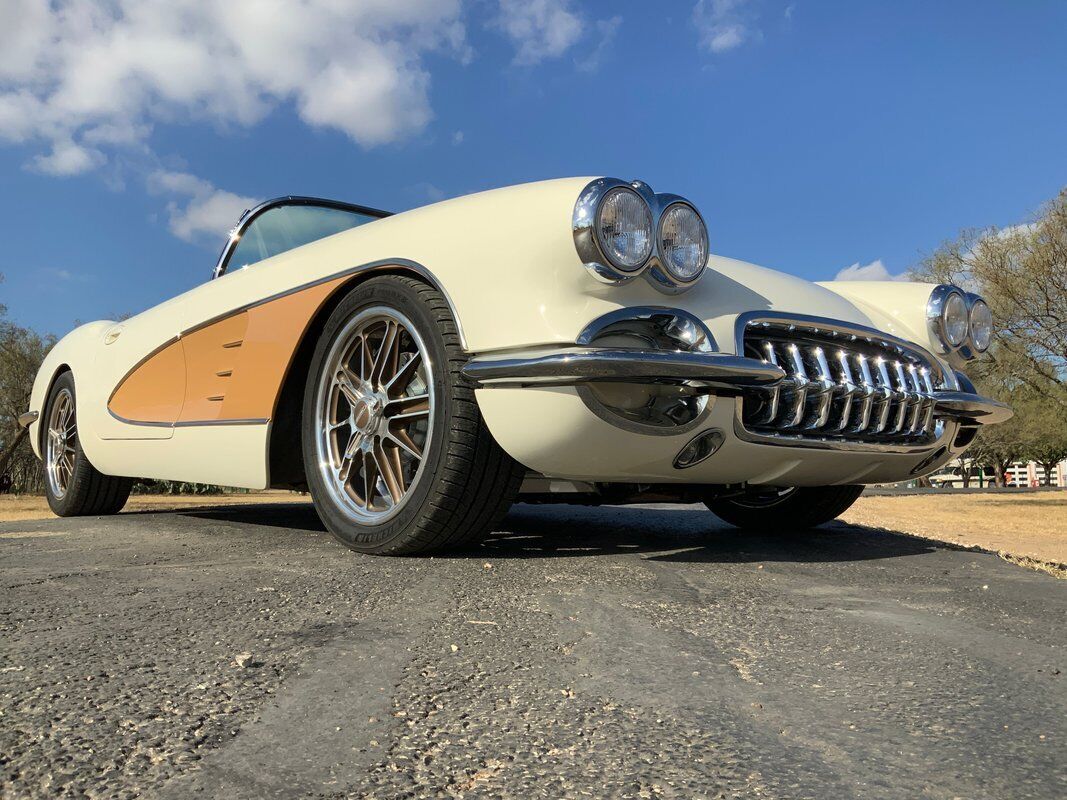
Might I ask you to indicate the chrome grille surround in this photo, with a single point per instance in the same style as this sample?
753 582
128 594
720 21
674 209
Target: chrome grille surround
847 386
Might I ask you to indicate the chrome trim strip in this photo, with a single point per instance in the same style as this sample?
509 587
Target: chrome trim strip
26 419
371 266
212 422
249 216
571 366
972 408
188 423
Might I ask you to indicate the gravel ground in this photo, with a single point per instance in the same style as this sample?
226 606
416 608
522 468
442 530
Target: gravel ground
608 652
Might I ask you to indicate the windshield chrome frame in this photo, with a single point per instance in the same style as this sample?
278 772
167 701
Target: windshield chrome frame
249 216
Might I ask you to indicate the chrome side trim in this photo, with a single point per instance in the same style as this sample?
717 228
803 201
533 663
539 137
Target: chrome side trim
380 265
704 372
249 216
971 408
26 419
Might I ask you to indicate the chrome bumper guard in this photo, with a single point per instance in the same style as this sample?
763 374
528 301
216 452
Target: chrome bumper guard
971 408
27 419
704 373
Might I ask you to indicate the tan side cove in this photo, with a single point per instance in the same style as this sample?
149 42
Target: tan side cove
227 371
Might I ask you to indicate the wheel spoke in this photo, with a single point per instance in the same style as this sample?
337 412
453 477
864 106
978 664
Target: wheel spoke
417 405
386 354
346 382
403 375
349 458
392 481
401 438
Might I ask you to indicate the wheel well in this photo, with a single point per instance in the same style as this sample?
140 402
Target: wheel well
285 452
44 409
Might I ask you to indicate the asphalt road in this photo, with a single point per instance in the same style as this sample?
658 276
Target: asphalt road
606 652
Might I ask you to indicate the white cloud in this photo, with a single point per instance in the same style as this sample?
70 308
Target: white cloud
723 24
875 271
457 138
81 77
539 29
201 212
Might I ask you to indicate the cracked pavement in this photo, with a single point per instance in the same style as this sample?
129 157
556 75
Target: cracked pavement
580 652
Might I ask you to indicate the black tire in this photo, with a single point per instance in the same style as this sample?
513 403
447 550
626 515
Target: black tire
797 509
467 482
87 491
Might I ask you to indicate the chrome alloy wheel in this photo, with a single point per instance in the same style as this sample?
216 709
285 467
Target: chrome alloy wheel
60 449
374 414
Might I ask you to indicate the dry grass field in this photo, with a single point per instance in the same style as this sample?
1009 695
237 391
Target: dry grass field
1030 528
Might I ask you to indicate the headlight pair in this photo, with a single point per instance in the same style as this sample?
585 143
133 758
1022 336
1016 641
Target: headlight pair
960 320
623 230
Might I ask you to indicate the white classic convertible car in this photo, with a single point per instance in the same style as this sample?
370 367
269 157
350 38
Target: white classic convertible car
565 341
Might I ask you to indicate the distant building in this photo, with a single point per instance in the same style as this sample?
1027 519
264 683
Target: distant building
1020 473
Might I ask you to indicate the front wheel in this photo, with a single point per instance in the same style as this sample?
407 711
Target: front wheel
793 508
73 486
397 457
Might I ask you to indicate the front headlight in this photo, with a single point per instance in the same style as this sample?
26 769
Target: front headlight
624 229
683 241
955 319
948 316
981 325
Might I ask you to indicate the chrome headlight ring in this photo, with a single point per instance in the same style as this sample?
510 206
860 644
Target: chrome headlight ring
591 250
938 309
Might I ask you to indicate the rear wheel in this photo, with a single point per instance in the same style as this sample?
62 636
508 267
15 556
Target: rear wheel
72 485
790 508
397 457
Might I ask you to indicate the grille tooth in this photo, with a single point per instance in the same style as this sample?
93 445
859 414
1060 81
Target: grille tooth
865 395
885 397
839 386
798 396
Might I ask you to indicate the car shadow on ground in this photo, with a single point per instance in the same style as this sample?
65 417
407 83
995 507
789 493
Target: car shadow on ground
683 534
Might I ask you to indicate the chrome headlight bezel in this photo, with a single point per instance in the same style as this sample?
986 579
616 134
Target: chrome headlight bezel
586 225
936 310
936 320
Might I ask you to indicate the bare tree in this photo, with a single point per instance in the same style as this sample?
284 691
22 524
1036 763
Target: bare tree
1022 273
21 354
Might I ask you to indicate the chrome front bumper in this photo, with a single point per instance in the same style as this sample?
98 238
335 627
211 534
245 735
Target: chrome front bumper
703 373
27 419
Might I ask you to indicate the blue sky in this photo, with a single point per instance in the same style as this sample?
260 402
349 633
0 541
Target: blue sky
812 135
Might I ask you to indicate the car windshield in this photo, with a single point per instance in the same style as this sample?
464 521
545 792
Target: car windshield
286 227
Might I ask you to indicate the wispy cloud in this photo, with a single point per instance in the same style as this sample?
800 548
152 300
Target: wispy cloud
607 29
539 29
198 211
724 25
874 271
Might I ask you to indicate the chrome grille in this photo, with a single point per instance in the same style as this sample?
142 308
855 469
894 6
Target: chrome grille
839 386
